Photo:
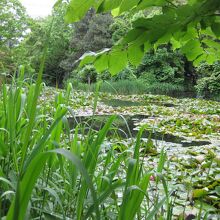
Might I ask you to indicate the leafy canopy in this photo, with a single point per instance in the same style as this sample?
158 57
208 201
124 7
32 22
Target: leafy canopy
14 22
92 33
192 26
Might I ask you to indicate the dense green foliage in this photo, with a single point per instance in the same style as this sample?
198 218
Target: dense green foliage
30 50
91 34
165 66
13 27
209 83
67 154
160 72
13 22
192 27
160 68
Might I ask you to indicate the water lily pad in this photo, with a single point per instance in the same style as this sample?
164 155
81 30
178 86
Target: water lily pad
217 190
200 158
199 193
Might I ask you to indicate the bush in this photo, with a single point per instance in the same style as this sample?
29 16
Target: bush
126 74
148 77
164 65
162 72
120 27
77 85
86 74
208 86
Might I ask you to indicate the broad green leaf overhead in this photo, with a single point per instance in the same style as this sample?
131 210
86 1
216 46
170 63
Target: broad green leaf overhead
117 61
193 26
135 55
77 9
101 63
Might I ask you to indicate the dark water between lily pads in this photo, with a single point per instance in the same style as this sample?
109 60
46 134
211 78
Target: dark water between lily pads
127 103
126 128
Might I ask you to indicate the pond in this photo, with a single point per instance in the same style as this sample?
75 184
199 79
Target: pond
187 130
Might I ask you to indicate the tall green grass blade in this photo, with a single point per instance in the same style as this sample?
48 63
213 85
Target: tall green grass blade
57 198
21 72
6 181
137 196
90 161
33 107
42 141
156 208
68 92
96 95
111 173
131 179
19 205
11 124
105 195
93 150
75 149
76 161
162 161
